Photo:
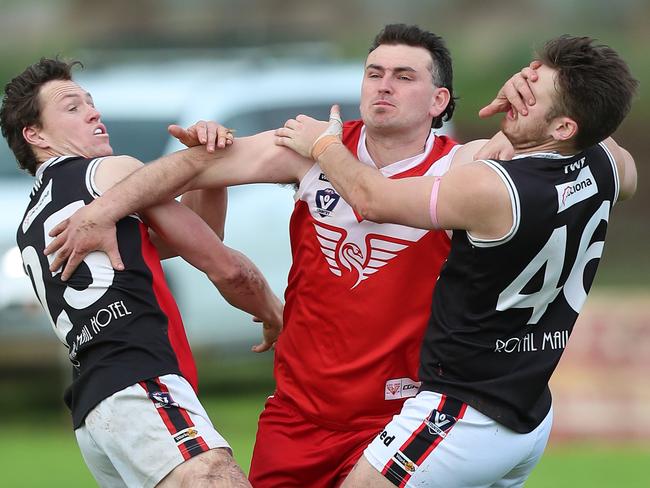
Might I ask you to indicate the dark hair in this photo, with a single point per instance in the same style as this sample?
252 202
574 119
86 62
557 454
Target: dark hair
441 69
21 106
594 83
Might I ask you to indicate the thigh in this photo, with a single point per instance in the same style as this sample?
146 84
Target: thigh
149 428
516 477
97 461
290 451
437 441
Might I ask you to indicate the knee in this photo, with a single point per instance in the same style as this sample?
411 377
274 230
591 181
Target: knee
213 468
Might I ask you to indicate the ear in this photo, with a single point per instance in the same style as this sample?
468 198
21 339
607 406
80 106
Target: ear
439 101
564 128
33 135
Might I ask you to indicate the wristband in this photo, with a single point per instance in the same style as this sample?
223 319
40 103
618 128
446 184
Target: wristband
323 143
433 204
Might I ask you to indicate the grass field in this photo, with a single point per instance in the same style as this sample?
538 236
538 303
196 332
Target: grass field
42 452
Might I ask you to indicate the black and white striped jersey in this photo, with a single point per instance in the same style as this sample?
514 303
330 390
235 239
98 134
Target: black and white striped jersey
119 327
503 309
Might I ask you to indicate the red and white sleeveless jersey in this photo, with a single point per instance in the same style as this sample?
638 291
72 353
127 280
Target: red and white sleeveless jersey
358 298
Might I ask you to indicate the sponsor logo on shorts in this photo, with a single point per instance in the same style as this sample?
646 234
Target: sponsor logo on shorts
405 462
184 435
162 399
400 388
322 177
326 200
439 423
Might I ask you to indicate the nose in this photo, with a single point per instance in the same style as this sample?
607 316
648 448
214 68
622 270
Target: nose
385 85
93 114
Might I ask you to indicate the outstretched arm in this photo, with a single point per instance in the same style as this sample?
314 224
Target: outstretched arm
455 201
233 274
252 159
238 280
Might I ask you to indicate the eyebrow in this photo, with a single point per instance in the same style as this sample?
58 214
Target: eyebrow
67 96
398 69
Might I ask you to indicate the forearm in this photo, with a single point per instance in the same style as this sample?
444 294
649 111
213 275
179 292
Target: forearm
158 181
247 289
358 184
210 205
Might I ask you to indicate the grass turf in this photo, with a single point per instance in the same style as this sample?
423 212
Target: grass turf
42 452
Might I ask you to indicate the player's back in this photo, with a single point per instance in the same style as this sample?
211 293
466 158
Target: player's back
503 310
119 327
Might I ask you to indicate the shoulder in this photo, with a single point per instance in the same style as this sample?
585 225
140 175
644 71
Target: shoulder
113 169
466 152
625 168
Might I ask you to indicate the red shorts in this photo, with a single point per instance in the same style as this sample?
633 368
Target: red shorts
290 451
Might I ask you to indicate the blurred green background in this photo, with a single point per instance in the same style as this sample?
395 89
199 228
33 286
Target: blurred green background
488 41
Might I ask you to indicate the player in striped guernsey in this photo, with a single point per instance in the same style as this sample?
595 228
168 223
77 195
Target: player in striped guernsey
528 237
134 408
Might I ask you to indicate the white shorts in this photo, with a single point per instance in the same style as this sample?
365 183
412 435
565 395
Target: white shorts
437 441
137 436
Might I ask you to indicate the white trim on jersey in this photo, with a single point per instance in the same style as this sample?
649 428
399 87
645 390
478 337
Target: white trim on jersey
514 203
617 180
398 166
547 155
92 187
39 172
90 178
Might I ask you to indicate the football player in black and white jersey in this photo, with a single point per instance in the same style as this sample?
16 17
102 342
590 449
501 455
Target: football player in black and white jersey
133 399
528 237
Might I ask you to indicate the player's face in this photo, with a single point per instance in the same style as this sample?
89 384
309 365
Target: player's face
70 124
535 128
397 93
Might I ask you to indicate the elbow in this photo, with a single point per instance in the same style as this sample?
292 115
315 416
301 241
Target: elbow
227 277
366 203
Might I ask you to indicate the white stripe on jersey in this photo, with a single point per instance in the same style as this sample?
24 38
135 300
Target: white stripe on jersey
614 170
514 203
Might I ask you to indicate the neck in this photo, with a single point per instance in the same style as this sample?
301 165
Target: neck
385 149
548 145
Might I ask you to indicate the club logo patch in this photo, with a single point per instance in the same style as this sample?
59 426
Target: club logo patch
162 399
438 423
326 200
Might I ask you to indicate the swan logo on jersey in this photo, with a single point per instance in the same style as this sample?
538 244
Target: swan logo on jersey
362 259
326 200
583 187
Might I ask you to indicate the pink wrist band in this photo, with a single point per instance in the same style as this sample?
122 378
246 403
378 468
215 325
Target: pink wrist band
433 204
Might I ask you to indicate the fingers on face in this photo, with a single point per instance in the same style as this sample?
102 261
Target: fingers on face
514 96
